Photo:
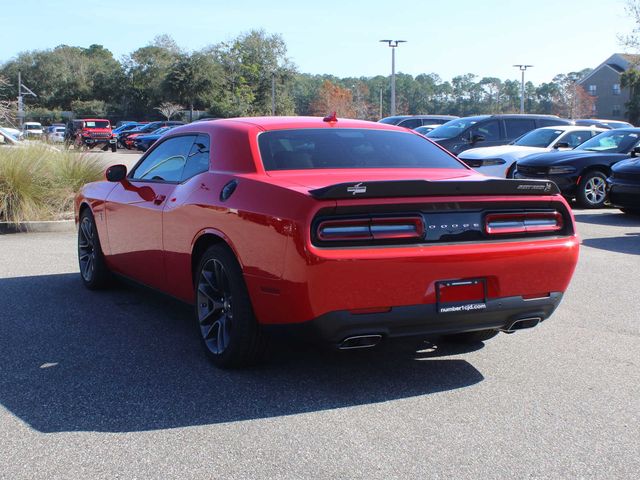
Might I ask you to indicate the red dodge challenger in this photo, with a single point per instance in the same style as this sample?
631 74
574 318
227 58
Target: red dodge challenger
352 230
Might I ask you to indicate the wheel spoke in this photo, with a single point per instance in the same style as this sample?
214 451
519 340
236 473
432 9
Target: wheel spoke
221 333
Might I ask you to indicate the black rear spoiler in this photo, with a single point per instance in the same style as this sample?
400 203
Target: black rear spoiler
426 188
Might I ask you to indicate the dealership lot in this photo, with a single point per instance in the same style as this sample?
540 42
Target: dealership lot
114 385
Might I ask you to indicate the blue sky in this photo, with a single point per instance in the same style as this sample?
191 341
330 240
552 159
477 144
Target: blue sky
484 37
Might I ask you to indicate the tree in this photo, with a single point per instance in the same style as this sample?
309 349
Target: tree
571 100
6 106
333 98
194 80
631 80
168 109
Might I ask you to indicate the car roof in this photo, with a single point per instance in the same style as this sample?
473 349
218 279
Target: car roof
281 123
570 128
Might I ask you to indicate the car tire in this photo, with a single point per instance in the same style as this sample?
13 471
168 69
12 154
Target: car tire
93 269
472 337
114 148
229 331
592 190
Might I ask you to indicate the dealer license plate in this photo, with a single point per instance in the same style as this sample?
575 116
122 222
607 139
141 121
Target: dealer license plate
461 296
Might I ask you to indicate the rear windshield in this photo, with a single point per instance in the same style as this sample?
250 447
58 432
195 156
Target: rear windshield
96 124
307 149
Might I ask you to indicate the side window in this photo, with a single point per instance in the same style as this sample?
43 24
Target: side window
411 123
518 126
576 138
166 162
489 130
198 160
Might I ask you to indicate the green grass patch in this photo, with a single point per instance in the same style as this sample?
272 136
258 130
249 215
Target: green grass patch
38 183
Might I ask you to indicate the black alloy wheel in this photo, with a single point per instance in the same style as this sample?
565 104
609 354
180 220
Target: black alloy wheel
93 269
228 329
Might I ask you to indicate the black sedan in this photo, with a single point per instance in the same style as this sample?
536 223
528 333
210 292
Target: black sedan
624 184
582 173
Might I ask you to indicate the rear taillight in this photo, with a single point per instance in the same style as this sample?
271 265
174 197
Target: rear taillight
375 228
526 222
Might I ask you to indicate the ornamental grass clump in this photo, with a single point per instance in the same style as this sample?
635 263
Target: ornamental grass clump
39 183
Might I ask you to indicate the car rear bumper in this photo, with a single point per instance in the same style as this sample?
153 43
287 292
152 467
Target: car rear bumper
425 320
401 280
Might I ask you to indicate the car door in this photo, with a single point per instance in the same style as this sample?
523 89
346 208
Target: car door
134 211
183 218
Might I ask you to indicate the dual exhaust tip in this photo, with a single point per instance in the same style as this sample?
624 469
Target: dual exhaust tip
368 341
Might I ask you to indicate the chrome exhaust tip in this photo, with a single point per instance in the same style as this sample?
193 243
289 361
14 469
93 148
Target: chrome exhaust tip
521 324
360 341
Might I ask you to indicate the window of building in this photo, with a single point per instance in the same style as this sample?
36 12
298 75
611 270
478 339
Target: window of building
616 89
592 90
616 110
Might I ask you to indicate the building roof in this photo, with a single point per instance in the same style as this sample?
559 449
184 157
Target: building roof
618 62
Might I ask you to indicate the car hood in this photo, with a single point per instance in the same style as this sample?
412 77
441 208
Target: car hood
492 152
627 166
303 182
561 158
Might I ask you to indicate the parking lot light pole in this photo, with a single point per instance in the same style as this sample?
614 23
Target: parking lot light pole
523 68
393 44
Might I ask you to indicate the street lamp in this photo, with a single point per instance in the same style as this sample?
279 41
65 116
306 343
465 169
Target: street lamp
393 44
523 68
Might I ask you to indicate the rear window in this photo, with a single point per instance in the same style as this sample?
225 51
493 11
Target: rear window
308 149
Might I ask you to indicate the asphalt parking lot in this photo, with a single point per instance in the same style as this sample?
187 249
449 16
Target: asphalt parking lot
114 385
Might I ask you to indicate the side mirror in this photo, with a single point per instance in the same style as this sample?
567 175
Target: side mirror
116 173
562 145
475 138
635 151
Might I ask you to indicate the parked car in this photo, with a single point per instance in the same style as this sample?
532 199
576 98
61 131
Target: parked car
501 161
14 132
32 129
424 129
489 130
581 173
352 230
413 121
7 139
54 133
124 122
624 184
600 123
90 133
123 137
143 142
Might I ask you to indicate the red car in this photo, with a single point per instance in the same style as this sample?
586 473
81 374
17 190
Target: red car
354 231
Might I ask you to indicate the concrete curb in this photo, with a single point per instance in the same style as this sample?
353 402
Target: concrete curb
38 227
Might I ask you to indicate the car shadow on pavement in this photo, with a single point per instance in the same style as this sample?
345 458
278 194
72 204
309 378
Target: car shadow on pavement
629 243
613 219
129 359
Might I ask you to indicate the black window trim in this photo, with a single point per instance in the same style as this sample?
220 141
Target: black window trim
156 145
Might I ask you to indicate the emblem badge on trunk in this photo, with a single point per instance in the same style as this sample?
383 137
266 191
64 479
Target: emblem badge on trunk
357 188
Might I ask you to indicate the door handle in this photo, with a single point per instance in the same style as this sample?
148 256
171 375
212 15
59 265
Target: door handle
159 199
